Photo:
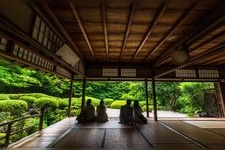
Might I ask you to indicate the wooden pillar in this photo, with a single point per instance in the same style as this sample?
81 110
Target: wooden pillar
41 118
220 91
70 96
8 133
154 100
83 94
146 97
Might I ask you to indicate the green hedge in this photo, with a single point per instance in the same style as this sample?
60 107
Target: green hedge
150 108
29 99
15 96
4 97
94 101
36 95
63 103
15 107
117 104
46 102
142 103
108 102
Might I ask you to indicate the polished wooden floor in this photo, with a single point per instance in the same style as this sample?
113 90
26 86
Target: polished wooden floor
162 135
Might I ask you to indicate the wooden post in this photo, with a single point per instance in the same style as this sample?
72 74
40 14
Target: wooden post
146 97
220 86
70 96
8 132
83 94
41 119
154 100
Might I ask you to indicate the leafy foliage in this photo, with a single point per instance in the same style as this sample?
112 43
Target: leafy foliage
15 107
117 104
4 97
46 102
29 99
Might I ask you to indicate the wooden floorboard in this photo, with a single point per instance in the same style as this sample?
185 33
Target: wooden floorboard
198 134
82 138
161 136
125 138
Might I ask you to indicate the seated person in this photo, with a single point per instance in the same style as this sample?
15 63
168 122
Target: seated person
88 112
101 112
126 113
138 116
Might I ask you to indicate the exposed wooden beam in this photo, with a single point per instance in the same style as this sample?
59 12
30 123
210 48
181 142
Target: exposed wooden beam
197 47
214 61
103 9
208 41
213 51
180 21
157 17
213 20
61 28
128 29
78 19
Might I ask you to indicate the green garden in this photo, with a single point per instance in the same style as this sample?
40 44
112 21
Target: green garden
25 91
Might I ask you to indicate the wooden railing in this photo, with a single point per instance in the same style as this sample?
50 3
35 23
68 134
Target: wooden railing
9 124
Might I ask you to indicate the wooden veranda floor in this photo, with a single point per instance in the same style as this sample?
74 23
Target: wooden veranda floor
162 135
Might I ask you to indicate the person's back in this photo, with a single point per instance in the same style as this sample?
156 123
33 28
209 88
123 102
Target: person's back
89 112
138 116
101 112
126 113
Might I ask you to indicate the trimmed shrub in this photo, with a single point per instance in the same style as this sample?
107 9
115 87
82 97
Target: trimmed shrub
15 107
108 102
15 96
36 95
46 103
4 97
29 99
63 103
142 103
94 101
162 108
76 101
150 108
117 104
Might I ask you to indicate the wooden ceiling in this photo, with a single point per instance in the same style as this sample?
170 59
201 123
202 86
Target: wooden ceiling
143 33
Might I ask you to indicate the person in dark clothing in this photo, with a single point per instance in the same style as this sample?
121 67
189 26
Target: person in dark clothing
126 113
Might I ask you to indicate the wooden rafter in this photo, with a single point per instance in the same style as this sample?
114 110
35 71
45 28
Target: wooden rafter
157 17
213 51
208 41
59 25
77 17
198 32
180 21
128 29
105 30
198 46
214 61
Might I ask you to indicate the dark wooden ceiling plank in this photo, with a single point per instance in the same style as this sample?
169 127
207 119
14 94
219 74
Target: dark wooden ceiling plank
128 29
213 51
61 28
180 21
103 9
80 23
206 26
208 41
156 18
